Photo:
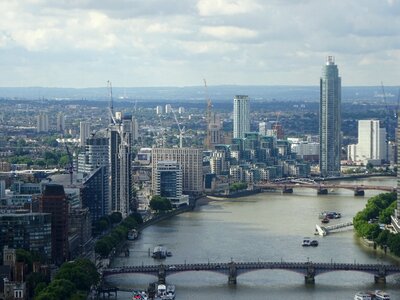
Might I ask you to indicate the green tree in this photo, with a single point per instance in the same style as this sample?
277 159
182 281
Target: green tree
115 217
102 248
159 203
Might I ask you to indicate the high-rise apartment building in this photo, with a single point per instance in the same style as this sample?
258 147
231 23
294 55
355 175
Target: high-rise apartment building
42 123
120 165
330 119
159 110
215 132
135 129
94 161
190 161
60 122
84 132
241 116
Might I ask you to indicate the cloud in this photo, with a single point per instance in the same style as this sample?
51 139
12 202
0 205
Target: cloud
161 42
225 7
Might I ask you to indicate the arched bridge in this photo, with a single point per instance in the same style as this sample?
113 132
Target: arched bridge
234 269
322 189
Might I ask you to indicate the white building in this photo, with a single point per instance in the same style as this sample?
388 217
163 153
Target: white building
135 129
371 146
168 108
181 110
84 132
241 116
159 110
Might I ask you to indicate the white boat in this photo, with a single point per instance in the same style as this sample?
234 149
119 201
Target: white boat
306 242
159 252
170 294
362 296
132 234
381 295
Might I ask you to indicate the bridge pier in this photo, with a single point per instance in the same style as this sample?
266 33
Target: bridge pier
309 278
161 275
232 279
359 192
380 278
287 190
322 191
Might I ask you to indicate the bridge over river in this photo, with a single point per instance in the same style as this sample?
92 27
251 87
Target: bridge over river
234 269
322 188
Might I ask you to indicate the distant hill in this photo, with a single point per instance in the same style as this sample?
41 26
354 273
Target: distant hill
197 93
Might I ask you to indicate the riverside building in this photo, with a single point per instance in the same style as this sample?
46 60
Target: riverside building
330 119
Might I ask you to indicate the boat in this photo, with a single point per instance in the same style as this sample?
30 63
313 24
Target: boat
140 295
362 296
133 234
314 243
306 242
161 292
170 293
159 252
381 295
325 220
330 215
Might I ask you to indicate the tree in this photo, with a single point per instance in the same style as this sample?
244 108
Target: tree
159 203
115 217
102 247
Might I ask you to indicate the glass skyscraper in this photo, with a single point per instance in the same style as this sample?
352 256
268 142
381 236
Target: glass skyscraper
241 116
330 119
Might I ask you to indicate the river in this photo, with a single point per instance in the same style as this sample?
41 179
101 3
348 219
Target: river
266 227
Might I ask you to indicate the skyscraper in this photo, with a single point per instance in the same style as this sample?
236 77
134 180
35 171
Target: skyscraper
120 164
330 119
241 116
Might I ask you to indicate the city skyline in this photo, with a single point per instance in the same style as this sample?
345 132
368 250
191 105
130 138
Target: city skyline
175 43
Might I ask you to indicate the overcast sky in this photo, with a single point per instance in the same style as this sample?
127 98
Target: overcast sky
84 43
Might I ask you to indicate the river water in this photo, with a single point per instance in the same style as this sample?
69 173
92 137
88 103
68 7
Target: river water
266 227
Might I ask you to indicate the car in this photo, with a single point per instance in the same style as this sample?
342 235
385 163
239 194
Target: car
172 268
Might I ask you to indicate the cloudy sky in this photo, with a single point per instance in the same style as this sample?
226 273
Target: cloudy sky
84 43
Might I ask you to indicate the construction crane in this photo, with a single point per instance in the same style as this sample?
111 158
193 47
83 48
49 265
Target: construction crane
111 103
387 120
181 130
208 116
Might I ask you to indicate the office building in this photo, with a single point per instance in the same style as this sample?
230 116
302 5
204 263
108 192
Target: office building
42 123
215 132
168 182
191 162
54 201
84 132
241 116
26 230
330 120
121 165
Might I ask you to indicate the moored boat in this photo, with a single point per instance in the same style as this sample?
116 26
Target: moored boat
133 234
381 295
362 296
306 242
159 252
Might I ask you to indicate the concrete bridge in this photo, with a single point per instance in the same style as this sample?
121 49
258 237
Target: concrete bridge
234 269
322 188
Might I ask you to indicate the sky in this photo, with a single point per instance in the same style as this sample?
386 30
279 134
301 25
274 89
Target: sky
144 43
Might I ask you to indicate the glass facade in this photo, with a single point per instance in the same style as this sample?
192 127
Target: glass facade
330 120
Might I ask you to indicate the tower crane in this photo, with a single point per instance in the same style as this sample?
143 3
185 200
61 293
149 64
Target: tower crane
181 129
208 115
